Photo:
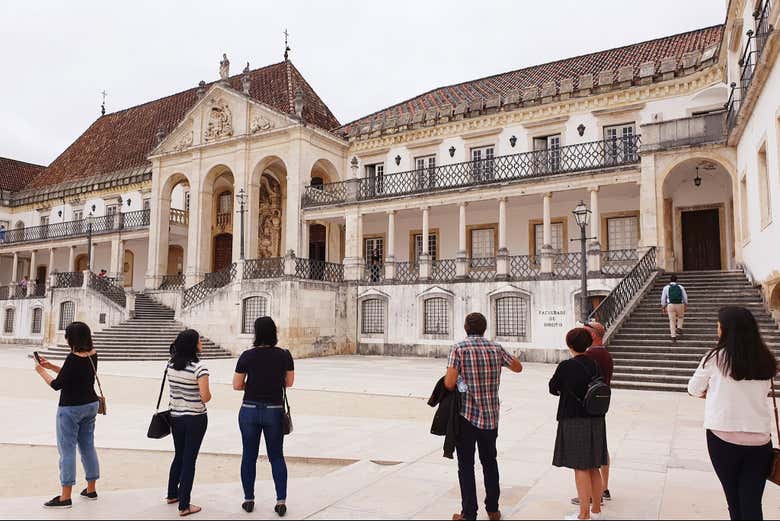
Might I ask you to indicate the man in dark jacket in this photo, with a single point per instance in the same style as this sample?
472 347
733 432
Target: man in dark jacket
474 369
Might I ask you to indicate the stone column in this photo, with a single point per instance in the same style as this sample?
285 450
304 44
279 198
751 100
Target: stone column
295 180
461 258
547 252
199 236
159 223
425 257
390 247
305 240
115 269
15 269
352 245
649 209
502 259
120 272
31 283
51 267
594 247
71 259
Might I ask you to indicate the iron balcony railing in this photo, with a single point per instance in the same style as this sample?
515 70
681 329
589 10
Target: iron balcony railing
210 284
107 288
268 268
73 279
99 225
618 262
612 307
582 157
13 292
763 27
444 270
374 274
172 282
318 270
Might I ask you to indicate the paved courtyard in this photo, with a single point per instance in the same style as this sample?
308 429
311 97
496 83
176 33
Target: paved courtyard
361 448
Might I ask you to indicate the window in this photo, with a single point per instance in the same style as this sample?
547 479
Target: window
426 171
147 204
374 247
547 156
78 215
436 317
482 163
744 210
44 220
225 204
37 321
372 312
765 199
112 209
186 201
433 246
620 146
557 237
512 317
67 314
252 308
8 323
623 233
483 243
376 176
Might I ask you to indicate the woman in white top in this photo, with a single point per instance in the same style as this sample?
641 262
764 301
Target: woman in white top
188 380
735 378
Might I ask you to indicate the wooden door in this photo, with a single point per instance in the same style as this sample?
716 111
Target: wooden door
701 240
40 274
223 251
317 240
128 267
175 260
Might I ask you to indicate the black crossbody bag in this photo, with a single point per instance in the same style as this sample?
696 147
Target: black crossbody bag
160 426
287 423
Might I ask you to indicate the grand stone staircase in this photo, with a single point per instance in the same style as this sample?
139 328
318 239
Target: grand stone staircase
645 357
146 336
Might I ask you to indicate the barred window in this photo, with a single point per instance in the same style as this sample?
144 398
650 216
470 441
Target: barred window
37 321
372 317
8 325
67 314
436 317
252 309
512 317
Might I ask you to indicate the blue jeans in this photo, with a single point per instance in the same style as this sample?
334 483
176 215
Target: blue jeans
188 432
76 427
256 419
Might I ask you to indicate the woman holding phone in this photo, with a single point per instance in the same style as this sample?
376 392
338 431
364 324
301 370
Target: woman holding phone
76 413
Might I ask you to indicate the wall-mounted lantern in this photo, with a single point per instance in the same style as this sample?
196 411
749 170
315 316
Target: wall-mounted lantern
581 129
513 141
397 160
452 151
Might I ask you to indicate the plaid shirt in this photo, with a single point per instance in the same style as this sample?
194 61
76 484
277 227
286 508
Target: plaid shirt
479 362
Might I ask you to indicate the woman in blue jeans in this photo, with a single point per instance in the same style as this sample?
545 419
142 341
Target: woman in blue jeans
76 413
262 373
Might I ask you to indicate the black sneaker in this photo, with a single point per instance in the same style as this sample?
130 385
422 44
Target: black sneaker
248 506
92 496
57 503
280 509
606 496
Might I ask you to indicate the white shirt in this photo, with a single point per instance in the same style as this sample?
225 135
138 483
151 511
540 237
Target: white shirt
732 406
665 295
185 391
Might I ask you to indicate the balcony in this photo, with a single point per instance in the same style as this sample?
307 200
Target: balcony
65 230
584 157
693 131
180 217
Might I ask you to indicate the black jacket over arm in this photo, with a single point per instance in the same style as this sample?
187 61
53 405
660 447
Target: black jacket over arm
446 420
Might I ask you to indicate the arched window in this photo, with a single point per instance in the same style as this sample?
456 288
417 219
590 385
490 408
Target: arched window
225 205
37 321
436 317
8 323
372 316
512 317
252 308
67 314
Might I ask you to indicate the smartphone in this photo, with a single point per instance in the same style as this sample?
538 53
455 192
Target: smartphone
37 357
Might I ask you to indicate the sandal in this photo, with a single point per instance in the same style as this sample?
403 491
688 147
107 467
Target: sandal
194 509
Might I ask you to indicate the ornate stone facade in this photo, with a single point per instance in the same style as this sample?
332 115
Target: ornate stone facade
220 121
270 222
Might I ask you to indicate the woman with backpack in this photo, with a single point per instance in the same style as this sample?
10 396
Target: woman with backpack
581 442
735 378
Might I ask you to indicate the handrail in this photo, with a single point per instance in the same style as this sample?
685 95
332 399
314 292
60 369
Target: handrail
107 288
627 289
609 153
74 279
172 282
80 228
210 283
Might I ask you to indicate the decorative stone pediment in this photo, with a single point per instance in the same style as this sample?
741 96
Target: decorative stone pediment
373 293
508 289
436 291
259 122
219 122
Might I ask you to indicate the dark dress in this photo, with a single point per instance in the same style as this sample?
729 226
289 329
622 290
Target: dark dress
581 442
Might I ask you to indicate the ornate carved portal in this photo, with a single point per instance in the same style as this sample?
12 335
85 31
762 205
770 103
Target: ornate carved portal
270 221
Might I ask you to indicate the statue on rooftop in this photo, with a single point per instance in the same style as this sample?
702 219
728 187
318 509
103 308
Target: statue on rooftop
224 67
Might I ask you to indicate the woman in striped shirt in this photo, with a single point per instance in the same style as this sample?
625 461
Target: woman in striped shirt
188 380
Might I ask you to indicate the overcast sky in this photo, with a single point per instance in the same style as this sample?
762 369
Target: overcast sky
360 56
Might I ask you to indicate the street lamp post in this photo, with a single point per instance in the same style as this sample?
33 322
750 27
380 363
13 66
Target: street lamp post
582 216
241 196
90 221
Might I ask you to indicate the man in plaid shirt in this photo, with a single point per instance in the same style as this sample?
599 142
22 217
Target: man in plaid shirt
474 369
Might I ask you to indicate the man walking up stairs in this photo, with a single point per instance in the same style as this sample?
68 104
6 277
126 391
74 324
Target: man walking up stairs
674 302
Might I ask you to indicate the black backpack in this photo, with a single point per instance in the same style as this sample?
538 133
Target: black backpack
597 396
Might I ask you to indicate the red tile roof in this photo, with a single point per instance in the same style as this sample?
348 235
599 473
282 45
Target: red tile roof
501 84
122 140
15 175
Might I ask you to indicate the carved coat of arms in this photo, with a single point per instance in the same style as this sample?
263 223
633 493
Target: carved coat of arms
220 122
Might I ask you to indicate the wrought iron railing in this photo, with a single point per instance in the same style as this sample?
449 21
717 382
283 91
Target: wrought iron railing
268 268
179 217
107 288
406 273
482 269
567 266
374 273
573 158
318 270
36 290
618 262
613 306
73 279
444 270
763 27
99 225
525 267
13 292
172 282
210 283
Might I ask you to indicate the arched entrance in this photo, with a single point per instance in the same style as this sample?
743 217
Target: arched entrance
175 260
317 242
698 217
774 301
128 267
223 251
81 263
